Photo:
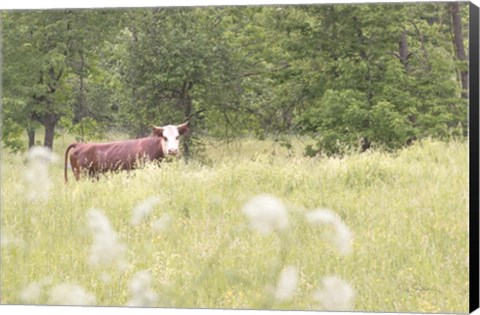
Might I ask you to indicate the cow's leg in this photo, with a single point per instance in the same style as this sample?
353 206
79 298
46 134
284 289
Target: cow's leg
93 170
75 168
93 173
76 172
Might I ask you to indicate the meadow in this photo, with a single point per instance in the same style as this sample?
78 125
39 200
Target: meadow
254 227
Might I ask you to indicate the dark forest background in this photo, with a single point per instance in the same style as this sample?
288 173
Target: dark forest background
369 75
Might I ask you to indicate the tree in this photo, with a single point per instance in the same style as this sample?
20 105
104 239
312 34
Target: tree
344 74
191 66
459 47
95 88
35 66
377 74
46 54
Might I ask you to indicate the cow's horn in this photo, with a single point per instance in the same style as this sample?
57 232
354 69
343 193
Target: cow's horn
183 128
157 130
185 124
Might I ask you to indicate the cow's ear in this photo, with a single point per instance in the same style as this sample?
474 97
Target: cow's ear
183 128
157 131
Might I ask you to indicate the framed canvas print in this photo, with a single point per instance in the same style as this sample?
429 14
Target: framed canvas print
240 156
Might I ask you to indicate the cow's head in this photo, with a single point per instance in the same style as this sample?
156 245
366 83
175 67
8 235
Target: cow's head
170 135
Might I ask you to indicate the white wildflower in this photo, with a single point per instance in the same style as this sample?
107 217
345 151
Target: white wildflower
70 294
287 284
7 240
40 153
335 294
143 209
32 293
105 277
266 214
36 175
162 223
140 290
106 248
343 237
321 216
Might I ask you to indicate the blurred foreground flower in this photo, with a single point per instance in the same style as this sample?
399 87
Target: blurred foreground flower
70 294
335 294
342 238
140 291
162 223
8 240
143 209
32 293
287 284
106 249
266 213
36 176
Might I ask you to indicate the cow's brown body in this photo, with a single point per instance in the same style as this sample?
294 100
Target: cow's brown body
96 158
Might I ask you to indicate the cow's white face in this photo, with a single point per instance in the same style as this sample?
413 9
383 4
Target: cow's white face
170 137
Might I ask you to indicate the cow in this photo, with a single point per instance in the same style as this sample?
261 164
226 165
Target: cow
96 158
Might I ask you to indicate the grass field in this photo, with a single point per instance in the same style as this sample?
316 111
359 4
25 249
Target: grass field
190 235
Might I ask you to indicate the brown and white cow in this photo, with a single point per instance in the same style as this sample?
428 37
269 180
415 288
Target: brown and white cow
96 158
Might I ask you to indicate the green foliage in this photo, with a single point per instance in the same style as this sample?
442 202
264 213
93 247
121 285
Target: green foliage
46 53
389 127
87 129
11 128
11 135
379 73
401 99
339 119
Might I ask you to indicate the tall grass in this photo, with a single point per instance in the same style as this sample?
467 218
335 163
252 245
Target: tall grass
369 232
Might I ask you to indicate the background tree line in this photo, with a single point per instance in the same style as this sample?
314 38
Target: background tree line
347 74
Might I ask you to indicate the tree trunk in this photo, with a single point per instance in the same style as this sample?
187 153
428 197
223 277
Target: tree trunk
459 47
403 49
287 119
49 121
364 144
31 137
187 103
81 102
49 134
